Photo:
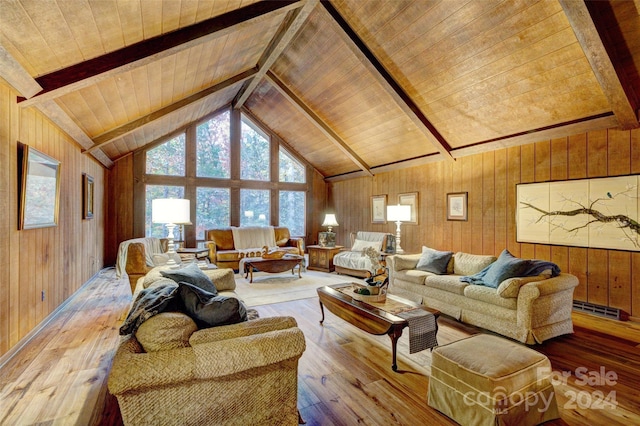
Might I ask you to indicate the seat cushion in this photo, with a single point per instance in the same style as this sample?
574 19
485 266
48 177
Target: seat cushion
490 295
413 276
450 283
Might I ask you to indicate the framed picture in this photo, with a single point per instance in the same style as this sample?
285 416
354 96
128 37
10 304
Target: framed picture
379 209
87 196
457 206
410 199
39 177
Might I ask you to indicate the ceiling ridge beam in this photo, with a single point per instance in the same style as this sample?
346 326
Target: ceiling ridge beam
317 121
290 26
593 47
115 134
89 72
388 83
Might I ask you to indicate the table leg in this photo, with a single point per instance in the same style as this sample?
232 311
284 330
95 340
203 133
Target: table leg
394 335
251 273
322 310
299 270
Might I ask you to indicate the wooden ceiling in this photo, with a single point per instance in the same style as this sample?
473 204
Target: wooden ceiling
355 86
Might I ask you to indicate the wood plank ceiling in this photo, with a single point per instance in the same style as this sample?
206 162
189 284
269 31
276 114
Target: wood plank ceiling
355 86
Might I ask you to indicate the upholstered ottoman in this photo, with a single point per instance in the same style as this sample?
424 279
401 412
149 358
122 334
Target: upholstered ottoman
489 380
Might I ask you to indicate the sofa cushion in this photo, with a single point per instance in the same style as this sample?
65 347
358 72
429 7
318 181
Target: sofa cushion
489 295
434 261
192 275
469 264
450 283
360 245
222 278
511 286
413 276
227 255
165 331
209 310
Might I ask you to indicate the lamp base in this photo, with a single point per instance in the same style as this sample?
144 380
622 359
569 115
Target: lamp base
398 248
327 239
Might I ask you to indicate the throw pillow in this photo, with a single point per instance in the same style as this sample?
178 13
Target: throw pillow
434 261
360 245
193 275
209 310
165 331
506 266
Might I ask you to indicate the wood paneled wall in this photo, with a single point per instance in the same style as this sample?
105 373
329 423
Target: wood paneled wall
607 277
53 261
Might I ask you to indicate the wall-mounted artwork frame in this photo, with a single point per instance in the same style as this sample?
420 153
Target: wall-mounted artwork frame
410 199
378 209
87 196
597 213
39 177
457 206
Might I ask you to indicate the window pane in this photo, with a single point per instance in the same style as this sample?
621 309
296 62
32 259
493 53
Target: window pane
254 153
254 207
158 191
212 210
291 170
292 212
167 159
213 148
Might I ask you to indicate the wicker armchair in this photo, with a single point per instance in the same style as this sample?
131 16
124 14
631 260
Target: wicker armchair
237 374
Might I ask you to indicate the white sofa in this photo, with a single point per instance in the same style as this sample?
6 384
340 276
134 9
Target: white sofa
530 310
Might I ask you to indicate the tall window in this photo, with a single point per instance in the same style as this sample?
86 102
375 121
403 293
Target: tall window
214 148
254 153
158 191
292 211
291 170
213 210
254 207
167 159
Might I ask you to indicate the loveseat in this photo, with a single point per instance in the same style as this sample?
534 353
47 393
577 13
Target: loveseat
170 372
528 309
227 246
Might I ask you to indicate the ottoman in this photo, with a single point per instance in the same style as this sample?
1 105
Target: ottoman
489 380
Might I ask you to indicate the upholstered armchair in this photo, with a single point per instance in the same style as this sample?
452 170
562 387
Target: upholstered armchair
135 257
352 261
240 374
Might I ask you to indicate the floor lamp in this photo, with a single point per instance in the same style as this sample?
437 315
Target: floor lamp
170 212
398 214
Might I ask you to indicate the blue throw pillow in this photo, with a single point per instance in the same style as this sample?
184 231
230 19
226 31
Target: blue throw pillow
506 266
193 275
434 261
209 310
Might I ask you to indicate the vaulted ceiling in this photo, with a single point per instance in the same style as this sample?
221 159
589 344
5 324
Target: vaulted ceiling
356 87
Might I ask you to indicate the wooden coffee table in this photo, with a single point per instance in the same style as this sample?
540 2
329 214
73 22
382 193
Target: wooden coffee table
272 266
368 317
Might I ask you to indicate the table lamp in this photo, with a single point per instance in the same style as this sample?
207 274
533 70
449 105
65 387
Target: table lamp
398 214
170 211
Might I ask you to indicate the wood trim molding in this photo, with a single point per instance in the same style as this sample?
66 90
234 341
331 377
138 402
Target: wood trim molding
600 61
89 72
388 83
317 121
290 26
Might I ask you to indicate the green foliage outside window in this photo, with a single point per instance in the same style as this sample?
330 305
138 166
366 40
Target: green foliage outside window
290 169
214 148
255 207
213 209
254 153
167 159
292 211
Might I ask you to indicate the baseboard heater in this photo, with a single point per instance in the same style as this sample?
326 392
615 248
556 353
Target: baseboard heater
603 311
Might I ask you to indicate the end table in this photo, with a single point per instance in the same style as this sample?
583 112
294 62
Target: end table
321 258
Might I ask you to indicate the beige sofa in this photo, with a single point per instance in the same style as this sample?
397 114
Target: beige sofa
170 373
530 310
226 252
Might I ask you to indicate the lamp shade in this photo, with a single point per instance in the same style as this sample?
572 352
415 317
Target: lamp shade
399 213
330 220
170 210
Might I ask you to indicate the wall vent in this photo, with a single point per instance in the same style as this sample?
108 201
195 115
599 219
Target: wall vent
603 311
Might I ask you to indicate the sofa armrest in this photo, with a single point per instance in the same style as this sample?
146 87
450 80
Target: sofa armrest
213 251
232 356
297 242
246 328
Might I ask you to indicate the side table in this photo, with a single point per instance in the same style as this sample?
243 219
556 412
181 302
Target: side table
321 258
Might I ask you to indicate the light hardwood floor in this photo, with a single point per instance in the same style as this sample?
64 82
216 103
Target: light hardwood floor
59 376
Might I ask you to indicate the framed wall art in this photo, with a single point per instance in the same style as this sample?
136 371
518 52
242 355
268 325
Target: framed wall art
39 177
457 206
379 209
410 199
87 196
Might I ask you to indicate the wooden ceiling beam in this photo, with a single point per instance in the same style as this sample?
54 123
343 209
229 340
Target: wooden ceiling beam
115 134
600 61
388 83
16 75
317 121
290 26
94 70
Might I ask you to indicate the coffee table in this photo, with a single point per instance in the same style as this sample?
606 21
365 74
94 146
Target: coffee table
272 266
368 317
